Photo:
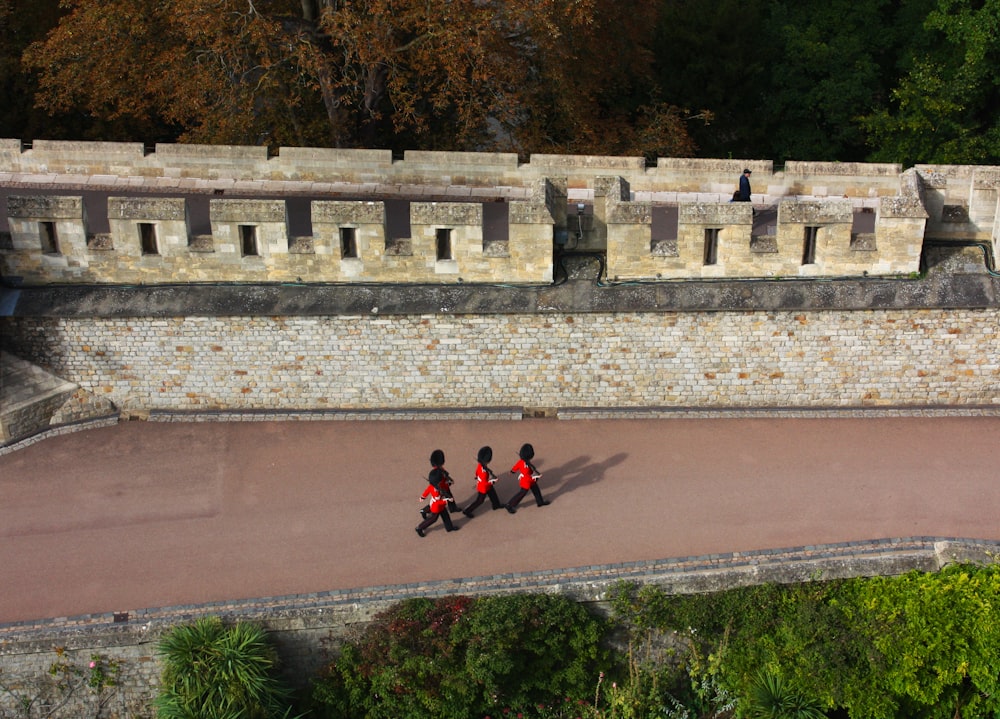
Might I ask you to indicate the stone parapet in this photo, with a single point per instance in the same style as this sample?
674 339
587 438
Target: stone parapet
804 212
528 223
474 170
714 213
45 207
348 212
146 208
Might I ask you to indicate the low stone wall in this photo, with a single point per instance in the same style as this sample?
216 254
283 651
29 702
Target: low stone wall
303 164
642 359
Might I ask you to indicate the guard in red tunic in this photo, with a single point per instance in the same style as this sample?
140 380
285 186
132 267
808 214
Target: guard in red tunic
437 462
484 482
527 479
438 504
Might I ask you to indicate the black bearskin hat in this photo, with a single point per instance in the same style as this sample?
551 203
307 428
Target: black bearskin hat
437 458
434 477
485 455
527 452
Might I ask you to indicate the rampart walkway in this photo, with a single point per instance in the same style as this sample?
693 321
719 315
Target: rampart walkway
151 515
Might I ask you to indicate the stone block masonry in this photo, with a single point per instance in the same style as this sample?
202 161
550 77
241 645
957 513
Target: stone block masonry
874 358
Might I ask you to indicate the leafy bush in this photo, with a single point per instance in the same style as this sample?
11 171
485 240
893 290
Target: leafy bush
213 671
919 645
773 697
457 657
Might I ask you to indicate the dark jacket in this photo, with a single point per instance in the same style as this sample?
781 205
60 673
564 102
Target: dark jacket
744 188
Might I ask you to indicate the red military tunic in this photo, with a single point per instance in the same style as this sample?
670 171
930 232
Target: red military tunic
437 501
525 474
483 482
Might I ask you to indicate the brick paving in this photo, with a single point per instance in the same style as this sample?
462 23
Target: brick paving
165 520
584 583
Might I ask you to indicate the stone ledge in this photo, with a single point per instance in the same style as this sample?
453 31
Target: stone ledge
582 293
108 421
571 413
341 415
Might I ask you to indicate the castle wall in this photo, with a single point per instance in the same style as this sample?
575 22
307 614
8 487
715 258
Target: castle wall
194 165
936 202
151 242
641 359
962 200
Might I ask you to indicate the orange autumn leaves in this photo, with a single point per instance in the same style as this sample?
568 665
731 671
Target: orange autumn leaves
514 75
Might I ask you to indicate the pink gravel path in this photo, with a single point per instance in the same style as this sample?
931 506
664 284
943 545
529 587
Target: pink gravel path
155 514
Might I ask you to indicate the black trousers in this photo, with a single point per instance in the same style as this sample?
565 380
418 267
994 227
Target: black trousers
520 495
431 518
494 500
446 493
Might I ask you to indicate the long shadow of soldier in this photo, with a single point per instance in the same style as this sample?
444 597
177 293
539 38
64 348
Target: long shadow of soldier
576 473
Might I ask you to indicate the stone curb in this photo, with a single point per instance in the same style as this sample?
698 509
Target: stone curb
775 412
268 415
505 414
710 572
84 424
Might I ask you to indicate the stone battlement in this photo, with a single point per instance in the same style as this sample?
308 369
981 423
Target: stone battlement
122 213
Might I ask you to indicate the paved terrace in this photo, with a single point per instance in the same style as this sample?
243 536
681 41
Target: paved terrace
169 520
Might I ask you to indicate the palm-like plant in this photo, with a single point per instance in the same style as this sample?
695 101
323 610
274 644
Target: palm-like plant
213 671
772 697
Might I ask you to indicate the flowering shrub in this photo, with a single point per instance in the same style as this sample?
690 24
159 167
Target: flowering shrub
457 657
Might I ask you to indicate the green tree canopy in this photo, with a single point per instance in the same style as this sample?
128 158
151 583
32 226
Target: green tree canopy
944 109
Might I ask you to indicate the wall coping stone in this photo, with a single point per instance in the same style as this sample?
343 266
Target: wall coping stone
67 428
946 286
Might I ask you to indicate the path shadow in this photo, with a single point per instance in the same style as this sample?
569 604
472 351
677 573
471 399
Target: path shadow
576 473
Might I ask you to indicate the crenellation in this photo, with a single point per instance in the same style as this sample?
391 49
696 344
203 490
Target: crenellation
45 207
650 221
820 212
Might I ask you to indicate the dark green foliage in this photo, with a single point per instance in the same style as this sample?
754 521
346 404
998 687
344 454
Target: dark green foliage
907 81
834 63
943 110
773 697
921 645
709 55
213 671
458 657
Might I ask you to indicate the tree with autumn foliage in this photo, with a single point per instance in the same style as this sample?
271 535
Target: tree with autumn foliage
516 75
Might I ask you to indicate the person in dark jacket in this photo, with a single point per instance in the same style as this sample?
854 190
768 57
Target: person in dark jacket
744 192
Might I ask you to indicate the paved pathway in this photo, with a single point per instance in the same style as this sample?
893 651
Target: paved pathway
150 514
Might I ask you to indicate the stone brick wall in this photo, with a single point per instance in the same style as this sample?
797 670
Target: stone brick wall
959 203
642 359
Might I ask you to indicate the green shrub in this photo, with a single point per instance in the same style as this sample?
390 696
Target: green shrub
773 697
456 658
213 671
921 645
